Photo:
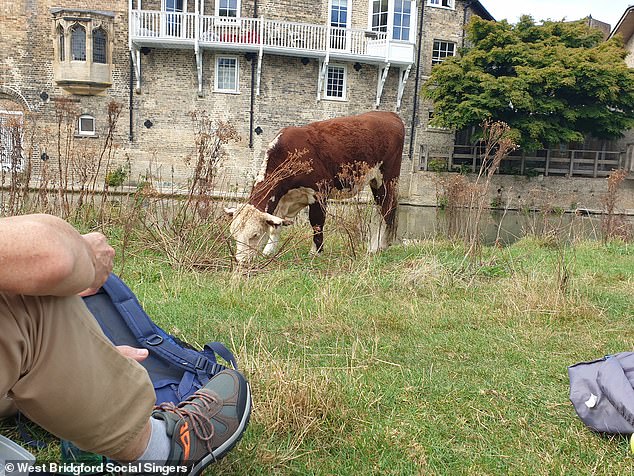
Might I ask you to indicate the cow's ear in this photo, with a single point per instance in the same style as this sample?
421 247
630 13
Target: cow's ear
230 211
275 222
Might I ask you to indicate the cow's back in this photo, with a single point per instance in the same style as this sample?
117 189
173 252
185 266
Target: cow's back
371 137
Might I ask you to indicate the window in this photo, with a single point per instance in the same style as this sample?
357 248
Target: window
335 83
430 118
173 5
61 43
173 18
442 49
99 46
82 46
11 151
227 74
228 8
402 19
78 43
379 15
441 3
86 125
339 13
339 21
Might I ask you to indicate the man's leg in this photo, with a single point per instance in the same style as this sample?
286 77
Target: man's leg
64 374
7 407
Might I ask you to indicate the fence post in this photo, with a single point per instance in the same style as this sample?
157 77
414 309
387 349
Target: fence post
596 162
572 161
523 163
547 162
449 160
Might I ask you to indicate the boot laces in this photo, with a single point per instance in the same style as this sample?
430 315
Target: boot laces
201 406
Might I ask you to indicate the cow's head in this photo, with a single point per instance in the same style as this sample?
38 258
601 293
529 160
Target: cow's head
251 228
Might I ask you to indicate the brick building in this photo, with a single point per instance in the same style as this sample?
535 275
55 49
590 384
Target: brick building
625 28
261 65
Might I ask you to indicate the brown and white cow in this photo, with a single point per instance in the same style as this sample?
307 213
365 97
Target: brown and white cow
373 140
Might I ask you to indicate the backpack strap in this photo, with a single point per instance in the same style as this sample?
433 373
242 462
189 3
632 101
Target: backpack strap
222 351
146 332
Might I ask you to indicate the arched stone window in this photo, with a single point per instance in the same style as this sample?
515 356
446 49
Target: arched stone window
61 43
78 43
83 45
99 46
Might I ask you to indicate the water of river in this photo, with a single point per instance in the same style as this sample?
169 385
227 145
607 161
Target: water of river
417 222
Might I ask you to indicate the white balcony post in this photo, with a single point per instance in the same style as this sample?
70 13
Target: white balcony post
197 51
197 25
390 21
130 25
413 22
260 54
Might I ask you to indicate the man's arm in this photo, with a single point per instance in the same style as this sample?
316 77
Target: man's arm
44 255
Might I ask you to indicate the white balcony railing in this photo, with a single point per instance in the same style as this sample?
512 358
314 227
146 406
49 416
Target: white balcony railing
167 25
270 35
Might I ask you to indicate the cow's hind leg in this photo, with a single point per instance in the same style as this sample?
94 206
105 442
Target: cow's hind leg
384 232
317 218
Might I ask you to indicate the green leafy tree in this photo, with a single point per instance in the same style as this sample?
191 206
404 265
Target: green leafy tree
551 83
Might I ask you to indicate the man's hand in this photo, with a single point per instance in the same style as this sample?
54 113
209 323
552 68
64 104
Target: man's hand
133 353
103 260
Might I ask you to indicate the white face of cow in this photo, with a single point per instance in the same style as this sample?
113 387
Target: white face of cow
251 229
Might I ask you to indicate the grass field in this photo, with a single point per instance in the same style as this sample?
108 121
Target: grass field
414 361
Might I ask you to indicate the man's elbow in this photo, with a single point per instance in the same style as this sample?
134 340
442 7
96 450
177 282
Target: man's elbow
58 276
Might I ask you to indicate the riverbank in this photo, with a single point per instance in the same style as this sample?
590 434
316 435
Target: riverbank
516 192
413 361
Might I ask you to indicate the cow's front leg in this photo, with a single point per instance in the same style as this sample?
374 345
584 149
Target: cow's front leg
317 218
274 241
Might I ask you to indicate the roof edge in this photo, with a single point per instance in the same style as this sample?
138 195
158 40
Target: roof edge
479 8
627 11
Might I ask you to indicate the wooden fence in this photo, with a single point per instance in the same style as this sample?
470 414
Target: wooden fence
555 162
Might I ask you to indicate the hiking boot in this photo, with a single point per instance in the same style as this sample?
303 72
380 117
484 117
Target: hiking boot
209 423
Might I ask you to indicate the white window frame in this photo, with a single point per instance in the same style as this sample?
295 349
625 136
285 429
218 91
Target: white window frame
6 142
451 4
86 132
237 75
438 60
391 12
348 13
344 97
370 16
173 10
340 39
217 10
412 18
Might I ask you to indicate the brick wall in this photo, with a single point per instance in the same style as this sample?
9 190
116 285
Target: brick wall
169 87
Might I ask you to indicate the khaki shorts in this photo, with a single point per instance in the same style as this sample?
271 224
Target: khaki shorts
60 370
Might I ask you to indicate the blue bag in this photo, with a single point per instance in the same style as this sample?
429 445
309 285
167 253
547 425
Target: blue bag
176 369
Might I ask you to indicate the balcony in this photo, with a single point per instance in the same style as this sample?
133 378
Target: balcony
159 29
197 32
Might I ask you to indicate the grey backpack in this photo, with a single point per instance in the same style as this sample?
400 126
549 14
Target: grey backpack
602 394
